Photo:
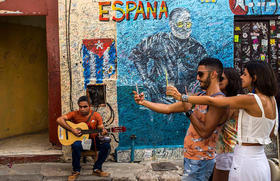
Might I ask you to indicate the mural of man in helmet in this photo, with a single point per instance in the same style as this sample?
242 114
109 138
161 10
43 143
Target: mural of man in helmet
168 57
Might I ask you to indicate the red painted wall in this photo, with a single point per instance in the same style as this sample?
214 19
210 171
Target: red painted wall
53 68
48 8
27 7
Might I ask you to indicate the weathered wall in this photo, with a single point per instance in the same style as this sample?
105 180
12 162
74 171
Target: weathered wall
84 25
23 79
156 42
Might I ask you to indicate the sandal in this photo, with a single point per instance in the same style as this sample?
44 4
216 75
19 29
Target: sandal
100 173
74 175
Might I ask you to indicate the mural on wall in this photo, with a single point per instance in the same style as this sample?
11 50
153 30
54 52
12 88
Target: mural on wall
168 57
152 52
160 42
254 7
99 60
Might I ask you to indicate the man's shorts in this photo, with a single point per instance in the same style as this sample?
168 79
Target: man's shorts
224 161
197 170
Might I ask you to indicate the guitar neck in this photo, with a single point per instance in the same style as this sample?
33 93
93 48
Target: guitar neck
90 131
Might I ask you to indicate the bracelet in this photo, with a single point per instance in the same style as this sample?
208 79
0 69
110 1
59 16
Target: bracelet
184 98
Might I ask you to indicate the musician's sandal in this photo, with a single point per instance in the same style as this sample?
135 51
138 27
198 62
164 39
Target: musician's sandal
100 173
74 175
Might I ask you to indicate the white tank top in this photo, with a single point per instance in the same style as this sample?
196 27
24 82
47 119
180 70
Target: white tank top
252 129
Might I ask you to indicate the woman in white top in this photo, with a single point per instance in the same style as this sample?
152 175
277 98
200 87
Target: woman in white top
257 120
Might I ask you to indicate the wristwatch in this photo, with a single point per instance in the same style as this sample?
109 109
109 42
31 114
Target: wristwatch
184 98
189 113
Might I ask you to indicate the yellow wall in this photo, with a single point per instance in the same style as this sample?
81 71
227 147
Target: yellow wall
23 80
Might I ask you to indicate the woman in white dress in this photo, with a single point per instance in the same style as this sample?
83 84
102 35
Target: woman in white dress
257 120
230 85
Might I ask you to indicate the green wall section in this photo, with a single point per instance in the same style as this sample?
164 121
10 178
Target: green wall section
23 80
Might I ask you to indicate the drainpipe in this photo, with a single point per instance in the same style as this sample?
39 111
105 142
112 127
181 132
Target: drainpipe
132 137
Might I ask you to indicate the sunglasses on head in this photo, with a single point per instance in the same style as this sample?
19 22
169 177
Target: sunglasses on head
201 73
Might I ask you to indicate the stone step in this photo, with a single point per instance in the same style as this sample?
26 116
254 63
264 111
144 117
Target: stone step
39 177
142 177
57 171
27 158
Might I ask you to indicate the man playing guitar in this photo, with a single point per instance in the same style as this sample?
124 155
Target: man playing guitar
94 121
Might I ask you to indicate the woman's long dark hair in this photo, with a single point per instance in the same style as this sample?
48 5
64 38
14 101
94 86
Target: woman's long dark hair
234 85
266 81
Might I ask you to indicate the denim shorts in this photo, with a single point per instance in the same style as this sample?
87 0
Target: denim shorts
224 161
197 170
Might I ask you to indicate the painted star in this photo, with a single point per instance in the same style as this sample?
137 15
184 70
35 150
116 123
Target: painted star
240 3
99 45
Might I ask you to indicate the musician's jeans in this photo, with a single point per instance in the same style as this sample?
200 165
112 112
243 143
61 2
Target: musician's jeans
104 150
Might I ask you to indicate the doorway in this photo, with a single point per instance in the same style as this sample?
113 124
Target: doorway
24 83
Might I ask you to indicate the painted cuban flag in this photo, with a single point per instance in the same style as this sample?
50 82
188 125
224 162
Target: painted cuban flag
99 59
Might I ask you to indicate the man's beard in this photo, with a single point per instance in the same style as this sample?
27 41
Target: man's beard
84 113
206 83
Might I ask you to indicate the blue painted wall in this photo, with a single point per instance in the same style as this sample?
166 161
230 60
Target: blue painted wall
212 28
151 40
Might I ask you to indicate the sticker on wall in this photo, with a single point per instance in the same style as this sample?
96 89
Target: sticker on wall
236 38
237 28
238 7
255 41
272 34
264 42
99 59
272 22
255 47
272 41
245 35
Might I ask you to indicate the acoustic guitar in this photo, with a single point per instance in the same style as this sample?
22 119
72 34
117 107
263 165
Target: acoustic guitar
66 137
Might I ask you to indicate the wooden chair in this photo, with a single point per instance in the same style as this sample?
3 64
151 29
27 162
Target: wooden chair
93 154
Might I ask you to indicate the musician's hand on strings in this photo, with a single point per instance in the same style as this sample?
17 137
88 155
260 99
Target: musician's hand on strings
76 132
104 131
